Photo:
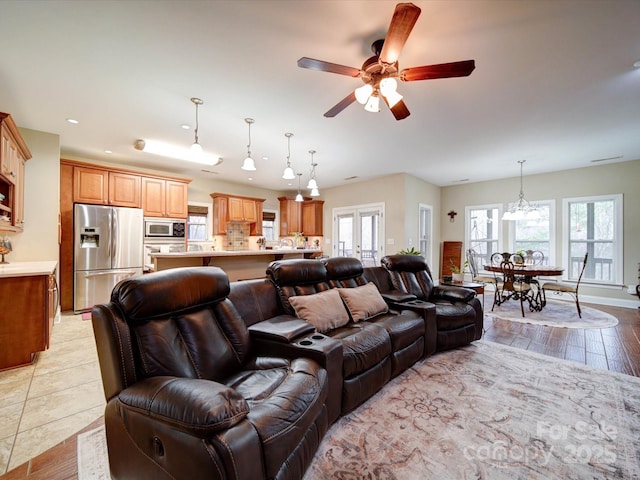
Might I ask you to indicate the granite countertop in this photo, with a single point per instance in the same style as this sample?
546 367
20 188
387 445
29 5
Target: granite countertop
236 253
27 269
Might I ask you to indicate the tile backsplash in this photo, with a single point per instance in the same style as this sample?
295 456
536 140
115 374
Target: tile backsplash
237 236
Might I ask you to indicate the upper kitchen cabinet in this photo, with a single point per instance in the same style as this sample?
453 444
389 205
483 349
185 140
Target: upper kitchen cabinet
103 187
312 218
13 155
233 208
164 198
305 217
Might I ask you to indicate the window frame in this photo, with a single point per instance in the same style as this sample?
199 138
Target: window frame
208 225
467 226
552 231
618 242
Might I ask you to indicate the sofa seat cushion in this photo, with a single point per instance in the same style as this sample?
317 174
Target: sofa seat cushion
450 316
285 397
403 328
364 345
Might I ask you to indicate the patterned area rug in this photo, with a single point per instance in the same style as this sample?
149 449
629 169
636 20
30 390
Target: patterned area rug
556 313
489 411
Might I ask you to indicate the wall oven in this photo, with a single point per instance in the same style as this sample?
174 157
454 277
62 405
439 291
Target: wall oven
164 228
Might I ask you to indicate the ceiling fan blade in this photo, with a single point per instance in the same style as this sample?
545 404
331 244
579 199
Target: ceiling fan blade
323 66
402 22
341 105
399 110
442 70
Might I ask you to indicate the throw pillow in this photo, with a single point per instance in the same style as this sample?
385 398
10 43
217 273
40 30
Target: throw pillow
323 310
363 302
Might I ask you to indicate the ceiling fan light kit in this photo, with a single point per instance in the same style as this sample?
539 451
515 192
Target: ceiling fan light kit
379 73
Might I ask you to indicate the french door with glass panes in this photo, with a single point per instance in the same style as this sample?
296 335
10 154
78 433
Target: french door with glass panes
359 232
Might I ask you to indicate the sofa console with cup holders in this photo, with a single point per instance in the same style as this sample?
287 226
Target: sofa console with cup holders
210 379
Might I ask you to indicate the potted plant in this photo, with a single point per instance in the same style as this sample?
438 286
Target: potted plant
457 273
410 251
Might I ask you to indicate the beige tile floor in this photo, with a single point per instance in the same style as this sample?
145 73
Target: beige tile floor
61 393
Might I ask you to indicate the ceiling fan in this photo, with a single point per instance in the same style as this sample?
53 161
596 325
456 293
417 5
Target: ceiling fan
379 72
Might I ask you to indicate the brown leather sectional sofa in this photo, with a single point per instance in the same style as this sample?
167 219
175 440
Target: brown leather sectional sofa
207 379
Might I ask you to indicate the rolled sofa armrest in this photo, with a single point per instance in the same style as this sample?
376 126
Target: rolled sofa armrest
195 406
283 328
453 294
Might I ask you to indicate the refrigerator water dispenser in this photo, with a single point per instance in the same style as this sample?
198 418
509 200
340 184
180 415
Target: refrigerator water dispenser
90 237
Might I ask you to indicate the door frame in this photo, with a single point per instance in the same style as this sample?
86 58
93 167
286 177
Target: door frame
356 211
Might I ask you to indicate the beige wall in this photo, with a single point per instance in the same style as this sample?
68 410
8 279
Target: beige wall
39 240
596 180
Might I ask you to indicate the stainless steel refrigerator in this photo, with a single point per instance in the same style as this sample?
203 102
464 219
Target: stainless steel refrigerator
107 248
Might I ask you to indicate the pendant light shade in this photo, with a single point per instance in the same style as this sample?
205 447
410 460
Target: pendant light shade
388 88
196 148
373 104
248 164
315 192
288 173
522 209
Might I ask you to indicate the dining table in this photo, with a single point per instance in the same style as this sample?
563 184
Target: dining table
529 272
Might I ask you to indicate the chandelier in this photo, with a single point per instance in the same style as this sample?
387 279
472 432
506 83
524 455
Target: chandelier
521 209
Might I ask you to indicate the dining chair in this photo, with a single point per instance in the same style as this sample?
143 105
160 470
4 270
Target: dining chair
510 286
564 287
472 259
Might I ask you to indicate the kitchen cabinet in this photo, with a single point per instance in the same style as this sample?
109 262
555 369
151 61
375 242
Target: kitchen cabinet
290 216
312 218
164 198
102 187
233 208
13 155
305 217
28 304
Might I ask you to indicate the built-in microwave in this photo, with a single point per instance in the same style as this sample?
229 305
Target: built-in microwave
156 228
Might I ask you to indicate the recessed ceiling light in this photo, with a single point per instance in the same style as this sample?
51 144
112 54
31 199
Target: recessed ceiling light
108 152
265 158
636 64
250 179
185 126
72 120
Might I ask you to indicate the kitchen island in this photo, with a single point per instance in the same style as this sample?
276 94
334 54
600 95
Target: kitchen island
238 265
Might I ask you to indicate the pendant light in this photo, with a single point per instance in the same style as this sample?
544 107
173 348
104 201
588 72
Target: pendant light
299 195
312 177
248 163
521 209
288 171
196 148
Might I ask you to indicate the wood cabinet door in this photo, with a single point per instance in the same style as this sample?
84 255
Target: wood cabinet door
220 215
256 228
290 217
312 218
124 190
18 199
153 197
176 199
235 210
249 210
8 155
90 186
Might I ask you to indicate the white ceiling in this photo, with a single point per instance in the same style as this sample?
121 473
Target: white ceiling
554 84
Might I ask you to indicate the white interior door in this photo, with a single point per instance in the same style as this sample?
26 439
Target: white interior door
359 233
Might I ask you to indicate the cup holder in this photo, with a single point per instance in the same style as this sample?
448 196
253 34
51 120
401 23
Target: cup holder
306 343
317 336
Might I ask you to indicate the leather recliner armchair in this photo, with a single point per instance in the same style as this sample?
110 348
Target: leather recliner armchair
188 393
459 315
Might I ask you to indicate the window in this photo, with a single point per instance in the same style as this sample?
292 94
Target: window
593 225
269 225
425 227
482 230
536 234
197 221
